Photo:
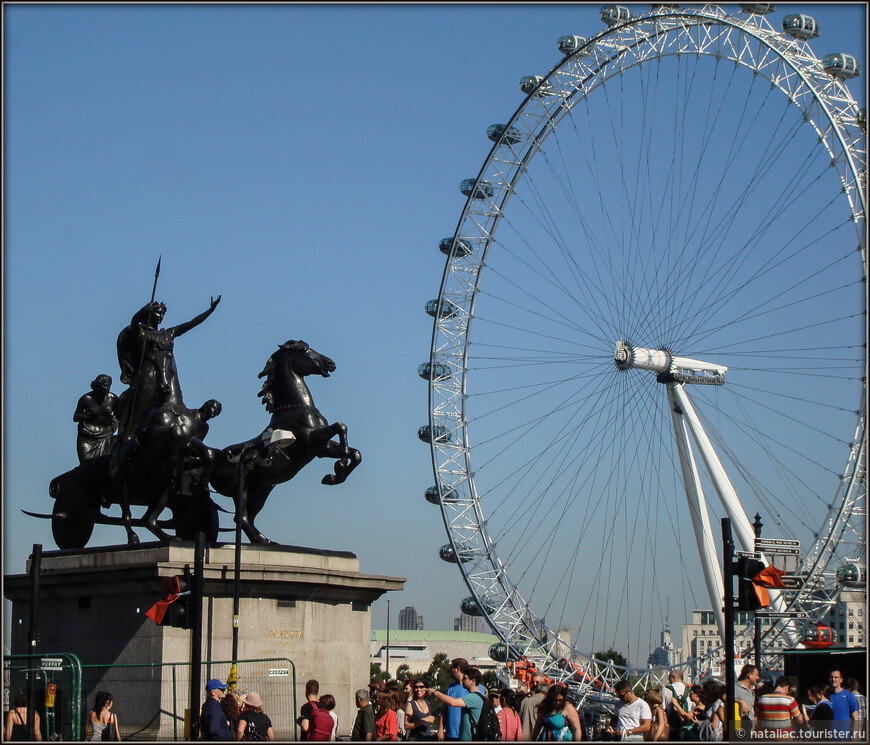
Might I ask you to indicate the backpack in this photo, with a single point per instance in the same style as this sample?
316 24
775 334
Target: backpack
674 718
488 728
252 733
320 725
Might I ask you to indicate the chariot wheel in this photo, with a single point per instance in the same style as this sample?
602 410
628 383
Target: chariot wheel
74 514
652 316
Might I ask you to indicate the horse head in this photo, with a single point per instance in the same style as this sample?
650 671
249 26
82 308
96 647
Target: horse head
292 361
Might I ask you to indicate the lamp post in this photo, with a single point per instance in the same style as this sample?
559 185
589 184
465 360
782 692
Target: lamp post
756 637
388 639
233 677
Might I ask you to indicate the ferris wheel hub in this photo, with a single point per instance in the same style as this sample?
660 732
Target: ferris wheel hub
668 367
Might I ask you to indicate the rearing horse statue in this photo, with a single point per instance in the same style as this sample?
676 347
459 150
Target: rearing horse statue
297 434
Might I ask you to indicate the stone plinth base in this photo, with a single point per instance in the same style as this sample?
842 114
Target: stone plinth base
311 607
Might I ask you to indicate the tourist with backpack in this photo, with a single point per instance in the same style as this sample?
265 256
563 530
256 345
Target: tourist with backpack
679 722
322 720
312 699
479 721
253 723
558 720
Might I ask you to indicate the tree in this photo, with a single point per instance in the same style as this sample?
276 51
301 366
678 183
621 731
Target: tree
403 672
376 675
438 675
611 655
490 681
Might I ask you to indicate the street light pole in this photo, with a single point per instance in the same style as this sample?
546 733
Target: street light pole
233 677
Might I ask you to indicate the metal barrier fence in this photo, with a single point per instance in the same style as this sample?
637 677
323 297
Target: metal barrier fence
58 691
152 701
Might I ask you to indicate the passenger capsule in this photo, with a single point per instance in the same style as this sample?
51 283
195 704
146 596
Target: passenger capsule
445 310
439 434
432 496
852 574
447 554
861 118
614 14
841 65
759 9
531 83
470 607
570 44
483 189
438 371
800 26
501 652
818 637
495 131
446 247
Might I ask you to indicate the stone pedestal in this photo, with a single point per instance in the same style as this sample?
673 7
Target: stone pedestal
311 607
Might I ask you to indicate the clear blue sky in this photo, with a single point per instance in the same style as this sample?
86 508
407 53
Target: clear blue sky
303 161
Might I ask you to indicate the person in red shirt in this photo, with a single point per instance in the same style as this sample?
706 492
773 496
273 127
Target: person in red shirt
386 721
509 718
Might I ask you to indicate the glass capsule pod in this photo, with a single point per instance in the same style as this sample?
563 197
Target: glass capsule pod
447 554
613 14
440 433
484 189
446 247
432 496
759 9
470 607
861 118
446 310
841 65
531 83
495 131
501 652
852 574
571 43
800 26
818 636
438 371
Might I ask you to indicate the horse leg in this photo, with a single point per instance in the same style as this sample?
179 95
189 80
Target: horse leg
253 503
127 516
347 459
151 515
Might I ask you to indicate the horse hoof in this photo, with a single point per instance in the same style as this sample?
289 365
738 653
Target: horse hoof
329 480
132 539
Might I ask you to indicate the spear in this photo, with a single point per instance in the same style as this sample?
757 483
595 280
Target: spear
138 375
156 276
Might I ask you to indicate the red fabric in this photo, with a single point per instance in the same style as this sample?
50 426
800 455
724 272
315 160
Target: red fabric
387 724
511 726
158 610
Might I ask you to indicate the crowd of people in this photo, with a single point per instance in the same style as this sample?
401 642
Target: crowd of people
465 711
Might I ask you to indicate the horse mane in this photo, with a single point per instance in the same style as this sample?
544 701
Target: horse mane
271 366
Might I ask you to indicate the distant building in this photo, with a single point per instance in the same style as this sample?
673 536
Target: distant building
847 619
666 655
409 620
417 649
467 622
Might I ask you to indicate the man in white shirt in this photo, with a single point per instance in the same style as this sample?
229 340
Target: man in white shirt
631 717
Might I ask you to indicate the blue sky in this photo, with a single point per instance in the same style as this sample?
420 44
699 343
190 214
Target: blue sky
303 161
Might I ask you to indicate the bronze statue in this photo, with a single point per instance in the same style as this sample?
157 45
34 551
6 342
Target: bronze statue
95 414
147 360
159 457
297 434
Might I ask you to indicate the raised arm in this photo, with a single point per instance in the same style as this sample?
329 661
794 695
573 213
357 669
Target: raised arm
183 328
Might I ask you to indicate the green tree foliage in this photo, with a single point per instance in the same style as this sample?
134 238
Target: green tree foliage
611 655
403 672
376 675
490 681
438 675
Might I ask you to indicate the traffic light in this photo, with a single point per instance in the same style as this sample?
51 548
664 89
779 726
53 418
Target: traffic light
750 596
174 610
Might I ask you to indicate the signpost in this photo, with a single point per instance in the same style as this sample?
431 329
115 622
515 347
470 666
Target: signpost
781 547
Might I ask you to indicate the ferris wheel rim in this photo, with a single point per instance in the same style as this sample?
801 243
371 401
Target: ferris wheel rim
515 608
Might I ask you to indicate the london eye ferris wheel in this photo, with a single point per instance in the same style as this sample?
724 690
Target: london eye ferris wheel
651 316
